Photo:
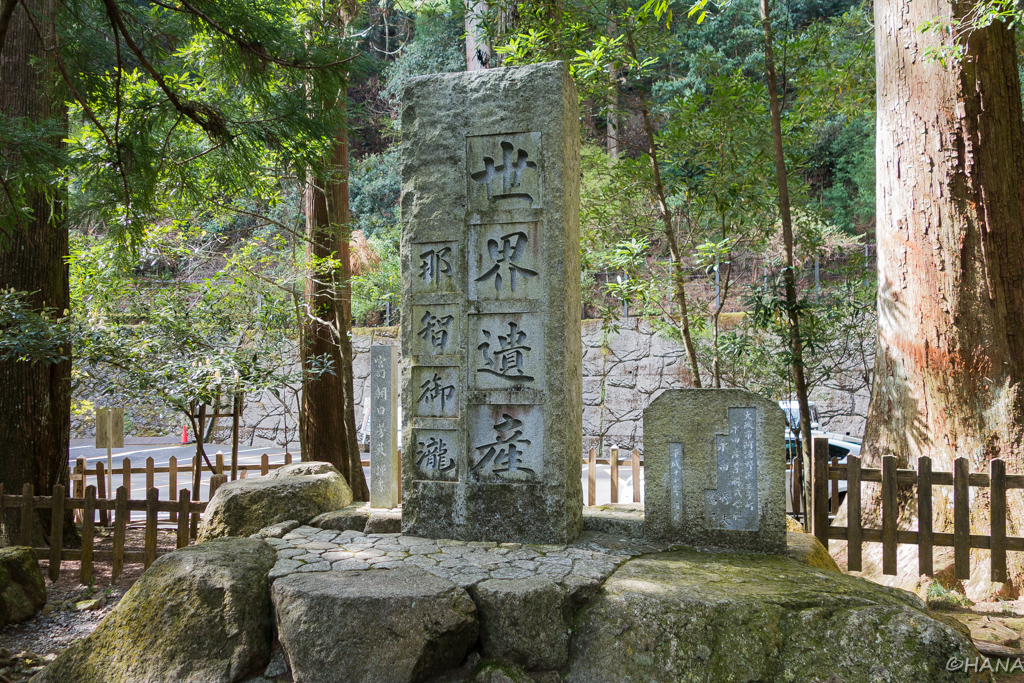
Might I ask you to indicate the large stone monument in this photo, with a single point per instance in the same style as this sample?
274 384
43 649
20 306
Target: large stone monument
492 420
715 468
384 465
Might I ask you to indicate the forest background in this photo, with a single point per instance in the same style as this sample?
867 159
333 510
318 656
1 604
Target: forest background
184 146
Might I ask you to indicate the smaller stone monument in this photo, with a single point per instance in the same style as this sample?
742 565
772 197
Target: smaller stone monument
715 469
384 465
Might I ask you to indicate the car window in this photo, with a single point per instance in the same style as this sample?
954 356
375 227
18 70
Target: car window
837 452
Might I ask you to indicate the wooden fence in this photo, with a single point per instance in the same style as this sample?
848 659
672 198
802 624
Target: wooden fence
86 508
81 474
922 481
613 461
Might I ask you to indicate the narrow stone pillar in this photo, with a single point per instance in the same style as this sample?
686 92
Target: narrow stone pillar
492 419
384 465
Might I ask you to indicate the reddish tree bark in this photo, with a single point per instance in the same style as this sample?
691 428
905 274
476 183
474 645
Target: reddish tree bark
328 406
950 195
35 399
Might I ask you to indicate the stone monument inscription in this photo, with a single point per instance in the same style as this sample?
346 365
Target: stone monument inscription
490 321
384 464
715 470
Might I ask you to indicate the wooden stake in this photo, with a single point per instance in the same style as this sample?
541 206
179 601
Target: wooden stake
592 477
636 476
924 516
27 491
88 533
56 531
613 457
152 499
120 524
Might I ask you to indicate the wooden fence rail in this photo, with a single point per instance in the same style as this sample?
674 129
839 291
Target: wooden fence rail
88 505
81 474
922 480
613 461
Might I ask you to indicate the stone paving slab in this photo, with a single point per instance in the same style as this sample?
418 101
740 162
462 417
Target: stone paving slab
593 556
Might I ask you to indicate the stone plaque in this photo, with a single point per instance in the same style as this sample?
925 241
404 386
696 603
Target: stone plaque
715 470
505 261
491 299
384 465
436 267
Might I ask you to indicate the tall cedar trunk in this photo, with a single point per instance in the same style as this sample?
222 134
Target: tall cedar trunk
328 412
789 275
950 194
35 399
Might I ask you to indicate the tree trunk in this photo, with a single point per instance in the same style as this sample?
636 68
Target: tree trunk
35 399
950 206
328 408
789 275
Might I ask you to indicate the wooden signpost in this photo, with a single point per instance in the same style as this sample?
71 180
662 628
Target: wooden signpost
110 435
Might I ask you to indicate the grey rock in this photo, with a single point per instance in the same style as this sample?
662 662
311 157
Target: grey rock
524 621
715 470
303 469
688 616
454 127
278 665
242 507
623 520
384 522
351 518
373 626
200 614
499 672
22 586
278 530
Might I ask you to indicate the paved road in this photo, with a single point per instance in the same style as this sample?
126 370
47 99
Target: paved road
161 454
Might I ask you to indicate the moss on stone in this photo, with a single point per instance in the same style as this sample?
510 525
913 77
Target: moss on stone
22 587
198 615
689 616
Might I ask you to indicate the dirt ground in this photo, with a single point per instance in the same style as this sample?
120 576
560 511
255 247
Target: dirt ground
69 613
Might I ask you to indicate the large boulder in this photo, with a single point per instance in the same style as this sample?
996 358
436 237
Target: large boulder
303 469
22 587
524 621
245 506
375 626
198 615
688 616
808 549
351 518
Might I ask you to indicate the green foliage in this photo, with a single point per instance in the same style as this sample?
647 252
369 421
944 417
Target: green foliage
438 48
31 335
374 190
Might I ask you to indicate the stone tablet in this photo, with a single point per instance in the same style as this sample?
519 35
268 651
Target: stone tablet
384 465
715 468
491 298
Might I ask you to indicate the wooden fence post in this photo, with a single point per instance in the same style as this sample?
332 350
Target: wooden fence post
101 491
264 465
126 476
961 519
236 415
636 476
197 473
833 482
287 458
215 483
592 477
88 533
997 507
183 496
853 524
152 499
819 489
150 474
613 461
924 516
56 531
120 523
890 513
27 491
219 462
172 484
77 489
